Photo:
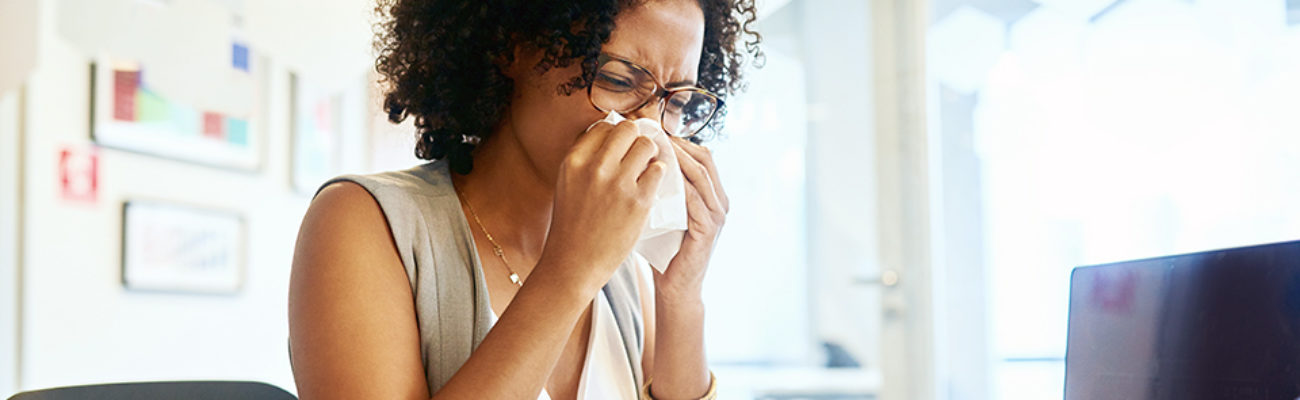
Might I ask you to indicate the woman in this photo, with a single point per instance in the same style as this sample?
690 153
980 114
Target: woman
389 297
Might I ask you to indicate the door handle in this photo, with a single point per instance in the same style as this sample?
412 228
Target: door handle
887 278
892 303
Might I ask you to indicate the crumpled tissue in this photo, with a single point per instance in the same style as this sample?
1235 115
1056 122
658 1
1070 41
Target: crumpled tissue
664 229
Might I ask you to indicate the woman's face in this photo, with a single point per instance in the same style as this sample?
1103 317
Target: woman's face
665 36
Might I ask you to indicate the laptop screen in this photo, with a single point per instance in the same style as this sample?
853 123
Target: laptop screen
1215 325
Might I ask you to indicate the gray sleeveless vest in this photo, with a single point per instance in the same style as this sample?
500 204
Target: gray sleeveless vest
437 250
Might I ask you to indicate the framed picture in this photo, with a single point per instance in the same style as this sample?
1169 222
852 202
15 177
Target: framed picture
325 120
177 248
213 119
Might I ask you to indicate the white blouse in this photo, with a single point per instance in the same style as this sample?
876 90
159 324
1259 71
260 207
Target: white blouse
606 370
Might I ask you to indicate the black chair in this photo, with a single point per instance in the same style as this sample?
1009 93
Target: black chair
180 390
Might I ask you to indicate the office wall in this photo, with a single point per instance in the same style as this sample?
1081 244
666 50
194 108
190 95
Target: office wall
9 131
79 325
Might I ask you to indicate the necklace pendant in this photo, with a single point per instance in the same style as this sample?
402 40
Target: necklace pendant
514 278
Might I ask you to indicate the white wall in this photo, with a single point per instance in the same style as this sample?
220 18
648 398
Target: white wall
9 183
79 325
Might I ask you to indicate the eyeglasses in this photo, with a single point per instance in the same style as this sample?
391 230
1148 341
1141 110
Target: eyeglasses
625 87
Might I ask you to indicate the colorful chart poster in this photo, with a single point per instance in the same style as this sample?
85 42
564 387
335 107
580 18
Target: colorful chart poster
129 113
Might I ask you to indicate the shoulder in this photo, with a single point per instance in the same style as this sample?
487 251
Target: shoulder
344 232
343 208
400 193
431 179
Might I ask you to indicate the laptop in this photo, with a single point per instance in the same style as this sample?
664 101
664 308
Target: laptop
1221 324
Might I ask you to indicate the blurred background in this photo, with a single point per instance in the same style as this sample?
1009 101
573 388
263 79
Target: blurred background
913 180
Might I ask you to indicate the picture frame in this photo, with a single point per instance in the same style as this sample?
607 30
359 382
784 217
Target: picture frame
324 120
168 247
213 120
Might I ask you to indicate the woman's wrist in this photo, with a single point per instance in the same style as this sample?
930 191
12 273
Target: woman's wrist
574 274
679 299
672 292
681 369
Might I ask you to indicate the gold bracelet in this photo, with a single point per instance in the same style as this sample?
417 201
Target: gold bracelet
712 394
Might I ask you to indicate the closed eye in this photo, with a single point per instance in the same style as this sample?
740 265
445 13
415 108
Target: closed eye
613 83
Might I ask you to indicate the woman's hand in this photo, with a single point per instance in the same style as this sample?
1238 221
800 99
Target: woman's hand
677 363
706 207
604 192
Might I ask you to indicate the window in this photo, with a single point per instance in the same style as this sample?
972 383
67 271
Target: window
1081 132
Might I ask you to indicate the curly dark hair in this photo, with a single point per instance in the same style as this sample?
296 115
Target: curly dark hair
441 61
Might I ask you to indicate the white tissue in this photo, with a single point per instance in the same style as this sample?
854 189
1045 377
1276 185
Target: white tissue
662 235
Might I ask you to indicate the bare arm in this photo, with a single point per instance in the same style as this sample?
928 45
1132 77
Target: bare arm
352 318
684 339
681 370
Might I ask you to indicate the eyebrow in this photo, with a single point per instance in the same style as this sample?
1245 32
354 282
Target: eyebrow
635 58
680 83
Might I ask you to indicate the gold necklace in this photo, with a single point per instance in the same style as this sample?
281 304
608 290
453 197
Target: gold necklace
496 248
